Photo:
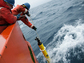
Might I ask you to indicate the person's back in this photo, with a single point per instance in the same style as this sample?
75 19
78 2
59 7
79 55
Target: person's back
6 18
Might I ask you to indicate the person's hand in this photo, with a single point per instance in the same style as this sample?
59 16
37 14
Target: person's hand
22 16
34 28
28 14
18 16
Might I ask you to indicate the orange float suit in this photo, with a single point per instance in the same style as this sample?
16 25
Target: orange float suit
20 9
6 17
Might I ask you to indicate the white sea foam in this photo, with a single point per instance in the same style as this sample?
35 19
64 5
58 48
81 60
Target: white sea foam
69 38
73 36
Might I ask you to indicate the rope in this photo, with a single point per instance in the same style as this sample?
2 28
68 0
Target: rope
33 24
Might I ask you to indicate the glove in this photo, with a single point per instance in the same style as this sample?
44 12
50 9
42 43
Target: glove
28 14
18 16
34 28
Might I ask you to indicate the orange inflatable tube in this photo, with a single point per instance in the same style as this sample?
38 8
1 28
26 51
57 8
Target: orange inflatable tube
14 48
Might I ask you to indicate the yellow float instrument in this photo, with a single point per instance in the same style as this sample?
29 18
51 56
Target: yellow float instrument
42 48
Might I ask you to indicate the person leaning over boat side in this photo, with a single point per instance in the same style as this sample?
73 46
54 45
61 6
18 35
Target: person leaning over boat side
6 17
23 9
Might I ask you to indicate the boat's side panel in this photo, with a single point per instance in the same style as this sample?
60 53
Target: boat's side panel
29 45
3 38
16 49
2 43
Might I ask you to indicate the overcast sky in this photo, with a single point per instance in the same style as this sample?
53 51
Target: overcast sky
33 3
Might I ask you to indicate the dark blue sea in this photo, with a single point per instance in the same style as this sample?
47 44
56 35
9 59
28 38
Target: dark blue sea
60 26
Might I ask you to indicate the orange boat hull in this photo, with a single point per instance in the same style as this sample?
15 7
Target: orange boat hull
14 48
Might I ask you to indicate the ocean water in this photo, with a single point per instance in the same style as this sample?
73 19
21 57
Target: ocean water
60 26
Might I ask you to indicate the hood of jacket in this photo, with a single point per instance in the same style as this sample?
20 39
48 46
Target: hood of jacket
3 4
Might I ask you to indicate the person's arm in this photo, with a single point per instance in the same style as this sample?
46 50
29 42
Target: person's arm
8 16
26 21
22 9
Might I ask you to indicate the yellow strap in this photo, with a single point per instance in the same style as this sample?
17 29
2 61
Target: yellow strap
23 5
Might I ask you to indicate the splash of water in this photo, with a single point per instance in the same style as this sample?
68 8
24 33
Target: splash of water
67 44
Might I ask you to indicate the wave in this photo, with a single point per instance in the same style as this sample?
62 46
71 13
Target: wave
82 2
67 45
76 5
71 8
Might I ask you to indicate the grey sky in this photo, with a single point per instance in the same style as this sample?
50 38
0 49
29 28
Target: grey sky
33 3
